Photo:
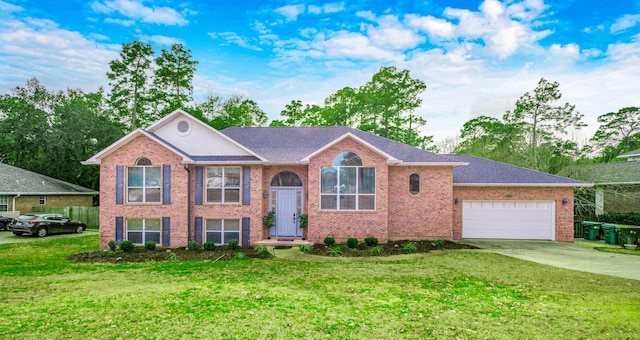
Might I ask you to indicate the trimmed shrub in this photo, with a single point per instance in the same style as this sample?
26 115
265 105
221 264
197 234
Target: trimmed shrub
150 245
193 245
352 242
233 244
127 246
209 246
112 245
329 241
376 251
371 241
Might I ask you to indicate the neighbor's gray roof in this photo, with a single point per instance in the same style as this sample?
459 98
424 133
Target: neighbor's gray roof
605 173
292 144
484 171
15 181
630 154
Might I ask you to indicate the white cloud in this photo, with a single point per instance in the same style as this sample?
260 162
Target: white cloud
135 10
59 58
625 22
6 7
125 23
435 27
291 12
355 45
326 8
161 39
233 38
390 33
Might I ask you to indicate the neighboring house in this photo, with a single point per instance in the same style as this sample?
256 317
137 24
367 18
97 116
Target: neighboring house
181 180
21 190
617 184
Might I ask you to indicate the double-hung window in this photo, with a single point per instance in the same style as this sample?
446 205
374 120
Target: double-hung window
143 182
4 203
348 185
141 230
223 184
222 231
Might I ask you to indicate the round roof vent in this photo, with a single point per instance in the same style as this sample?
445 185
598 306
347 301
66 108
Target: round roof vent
183 128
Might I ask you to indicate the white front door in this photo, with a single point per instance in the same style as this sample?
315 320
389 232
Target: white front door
288 204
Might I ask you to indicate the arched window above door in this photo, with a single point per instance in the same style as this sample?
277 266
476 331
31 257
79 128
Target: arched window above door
286 179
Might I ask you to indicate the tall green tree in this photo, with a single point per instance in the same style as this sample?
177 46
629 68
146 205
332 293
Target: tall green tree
130 82
234 111
173 81
618 132
541 121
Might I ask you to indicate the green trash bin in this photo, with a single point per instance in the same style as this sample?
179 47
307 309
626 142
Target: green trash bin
591 230
610 233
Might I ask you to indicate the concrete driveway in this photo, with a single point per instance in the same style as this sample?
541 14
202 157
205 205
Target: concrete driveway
579 255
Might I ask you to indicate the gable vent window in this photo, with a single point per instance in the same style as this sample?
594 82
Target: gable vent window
414 184
184 128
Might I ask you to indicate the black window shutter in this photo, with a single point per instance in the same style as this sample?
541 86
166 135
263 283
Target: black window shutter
246 230
119 228
199 179
166 231
166 184
119 184
198 229
246 185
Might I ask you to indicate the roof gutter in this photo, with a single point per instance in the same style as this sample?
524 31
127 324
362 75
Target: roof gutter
539 185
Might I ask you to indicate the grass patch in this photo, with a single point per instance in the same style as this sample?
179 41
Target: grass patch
447 294
618 250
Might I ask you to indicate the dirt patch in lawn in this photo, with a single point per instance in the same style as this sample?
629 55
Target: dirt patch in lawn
388 249
221 253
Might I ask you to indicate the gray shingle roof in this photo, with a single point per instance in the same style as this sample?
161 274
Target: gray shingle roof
291 144
484 171
630 154
15 180
605 173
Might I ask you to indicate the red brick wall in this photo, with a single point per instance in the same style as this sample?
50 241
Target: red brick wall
426 216
232 211
345 224
127 156
564 213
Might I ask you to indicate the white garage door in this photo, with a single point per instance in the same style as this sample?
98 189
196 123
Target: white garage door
523 220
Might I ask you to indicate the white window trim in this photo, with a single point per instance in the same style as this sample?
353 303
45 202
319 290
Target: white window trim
144 229
4 202
144 187
221 231
356 194
43 200
223 188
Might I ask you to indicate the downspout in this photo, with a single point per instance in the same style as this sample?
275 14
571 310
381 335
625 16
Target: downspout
186 167
13 206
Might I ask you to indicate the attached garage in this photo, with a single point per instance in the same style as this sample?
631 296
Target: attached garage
524 220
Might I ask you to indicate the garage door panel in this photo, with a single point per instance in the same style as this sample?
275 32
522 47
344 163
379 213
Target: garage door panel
534 220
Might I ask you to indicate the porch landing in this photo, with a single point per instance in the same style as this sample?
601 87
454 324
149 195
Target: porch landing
284 242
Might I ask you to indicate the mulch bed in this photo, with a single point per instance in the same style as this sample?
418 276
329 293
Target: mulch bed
224 253
388 249
139 254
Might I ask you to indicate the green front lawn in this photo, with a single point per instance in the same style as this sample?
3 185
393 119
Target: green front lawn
442 294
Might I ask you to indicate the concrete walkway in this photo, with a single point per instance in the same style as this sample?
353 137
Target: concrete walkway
579 255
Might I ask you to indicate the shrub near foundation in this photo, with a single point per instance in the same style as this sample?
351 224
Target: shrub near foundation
371 241
352 242
329 241
127 246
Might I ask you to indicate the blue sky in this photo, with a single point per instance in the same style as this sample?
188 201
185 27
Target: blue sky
476 57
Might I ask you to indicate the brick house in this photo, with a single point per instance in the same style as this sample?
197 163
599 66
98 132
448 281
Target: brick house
21 190
181 180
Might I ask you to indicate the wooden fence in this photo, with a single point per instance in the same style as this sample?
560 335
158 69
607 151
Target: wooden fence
88 215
